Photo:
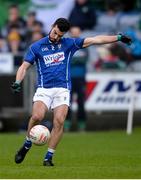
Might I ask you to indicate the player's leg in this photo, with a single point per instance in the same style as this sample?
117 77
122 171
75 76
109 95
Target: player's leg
38 113
60 114
60 104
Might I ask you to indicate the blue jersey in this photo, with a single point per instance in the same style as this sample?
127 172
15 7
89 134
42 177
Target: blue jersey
53 61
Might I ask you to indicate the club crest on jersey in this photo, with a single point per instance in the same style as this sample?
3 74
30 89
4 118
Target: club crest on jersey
54 58
59 46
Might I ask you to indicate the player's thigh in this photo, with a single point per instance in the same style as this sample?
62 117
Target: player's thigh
60 113
39 110
61 97
44 95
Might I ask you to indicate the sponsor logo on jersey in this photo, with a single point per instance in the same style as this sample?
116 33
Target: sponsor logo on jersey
54 58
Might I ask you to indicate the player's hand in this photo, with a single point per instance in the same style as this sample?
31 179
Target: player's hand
125 39
16 87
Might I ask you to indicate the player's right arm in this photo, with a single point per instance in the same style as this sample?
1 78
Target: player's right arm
16 86
29 59
22 71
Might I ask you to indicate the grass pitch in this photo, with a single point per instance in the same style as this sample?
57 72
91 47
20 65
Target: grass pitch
109 154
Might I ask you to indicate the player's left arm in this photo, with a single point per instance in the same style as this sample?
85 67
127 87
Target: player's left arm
106 39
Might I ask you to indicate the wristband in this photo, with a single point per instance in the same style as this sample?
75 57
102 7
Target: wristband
119 36
17 81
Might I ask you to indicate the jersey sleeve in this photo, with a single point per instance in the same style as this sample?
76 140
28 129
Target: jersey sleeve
78 43
30 55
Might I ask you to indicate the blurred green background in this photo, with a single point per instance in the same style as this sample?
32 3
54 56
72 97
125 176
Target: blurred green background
4 4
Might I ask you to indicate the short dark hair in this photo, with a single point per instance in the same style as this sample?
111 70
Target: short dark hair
15 6
63 24
39 23
31 13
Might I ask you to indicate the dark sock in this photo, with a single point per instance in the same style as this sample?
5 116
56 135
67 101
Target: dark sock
27 144
49 154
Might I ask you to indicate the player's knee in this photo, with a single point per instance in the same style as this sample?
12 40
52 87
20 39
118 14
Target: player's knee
37 117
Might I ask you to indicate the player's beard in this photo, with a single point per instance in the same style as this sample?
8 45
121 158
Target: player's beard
52 40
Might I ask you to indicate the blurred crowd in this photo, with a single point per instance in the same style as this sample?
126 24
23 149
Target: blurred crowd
19 32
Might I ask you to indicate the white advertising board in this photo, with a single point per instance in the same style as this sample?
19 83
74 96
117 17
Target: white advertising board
6 63
113 91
